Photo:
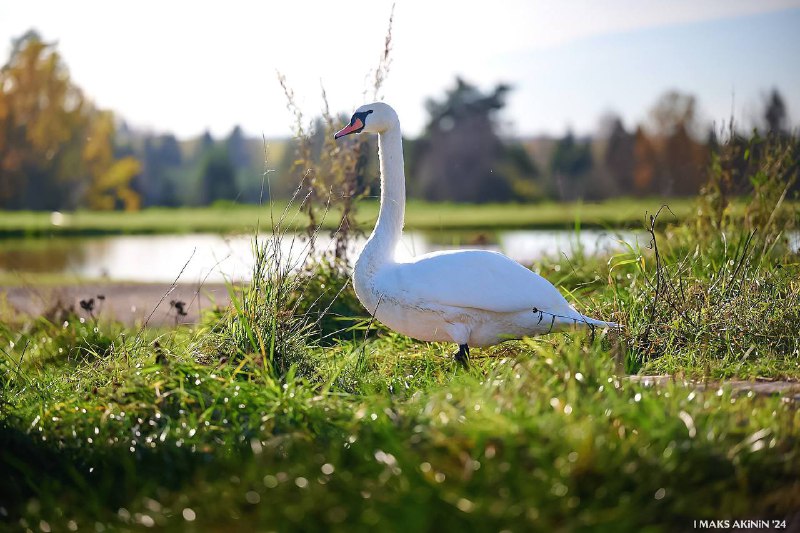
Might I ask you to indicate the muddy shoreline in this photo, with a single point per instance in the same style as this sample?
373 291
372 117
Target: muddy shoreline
129 303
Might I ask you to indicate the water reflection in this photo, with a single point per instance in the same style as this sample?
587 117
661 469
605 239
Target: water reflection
39 255
213 258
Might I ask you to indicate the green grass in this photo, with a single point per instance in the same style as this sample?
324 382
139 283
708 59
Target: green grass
273 416
539 434
419 216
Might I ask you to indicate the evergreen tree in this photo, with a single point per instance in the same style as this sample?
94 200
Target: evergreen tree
461 157
569 166
218 176
619 156
775 117
237 149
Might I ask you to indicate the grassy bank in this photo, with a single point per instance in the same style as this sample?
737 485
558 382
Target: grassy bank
292 411
538 435
419 215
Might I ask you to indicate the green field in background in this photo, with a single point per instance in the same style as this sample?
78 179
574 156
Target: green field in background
627 213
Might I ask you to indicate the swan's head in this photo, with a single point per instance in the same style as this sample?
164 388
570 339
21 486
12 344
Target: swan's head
370 118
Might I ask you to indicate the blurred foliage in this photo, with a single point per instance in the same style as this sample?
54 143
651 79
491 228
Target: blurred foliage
328 176
56 148
111 177
762 169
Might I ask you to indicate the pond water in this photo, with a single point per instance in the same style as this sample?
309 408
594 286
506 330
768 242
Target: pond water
215 258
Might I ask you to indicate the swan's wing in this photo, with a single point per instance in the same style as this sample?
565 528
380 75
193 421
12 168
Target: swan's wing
477 279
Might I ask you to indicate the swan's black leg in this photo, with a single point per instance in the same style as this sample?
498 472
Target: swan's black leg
462 357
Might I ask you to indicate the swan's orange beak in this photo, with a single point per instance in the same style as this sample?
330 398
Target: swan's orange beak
350 128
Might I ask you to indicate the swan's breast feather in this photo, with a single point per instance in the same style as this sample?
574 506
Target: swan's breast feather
477 279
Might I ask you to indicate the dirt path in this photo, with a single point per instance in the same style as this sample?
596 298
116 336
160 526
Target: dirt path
128 303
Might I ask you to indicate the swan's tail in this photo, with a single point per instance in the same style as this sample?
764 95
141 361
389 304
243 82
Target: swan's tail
573 318
599 323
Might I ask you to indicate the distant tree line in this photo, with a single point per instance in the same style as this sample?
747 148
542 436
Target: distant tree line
199 171
464 156
59 151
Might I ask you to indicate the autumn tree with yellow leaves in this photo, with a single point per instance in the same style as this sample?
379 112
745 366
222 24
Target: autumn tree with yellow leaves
56 148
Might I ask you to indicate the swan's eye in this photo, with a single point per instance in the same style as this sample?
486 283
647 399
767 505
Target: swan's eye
357 123
362 115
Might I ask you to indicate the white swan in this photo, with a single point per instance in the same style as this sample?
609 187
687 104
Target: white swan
470 297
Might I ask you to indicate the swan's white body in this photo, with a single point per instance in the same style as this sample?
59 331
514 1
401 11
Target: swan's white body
470 297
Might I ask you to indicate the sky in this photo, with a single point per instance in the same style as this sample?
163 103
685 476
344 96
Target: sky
185 67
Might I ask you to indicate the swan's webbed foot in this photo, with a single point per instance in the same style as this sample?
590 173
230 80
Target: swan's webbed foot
462 357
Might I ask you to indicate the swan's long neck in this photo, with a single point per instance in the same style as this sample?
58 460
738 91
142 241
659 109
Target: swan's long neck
380 247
